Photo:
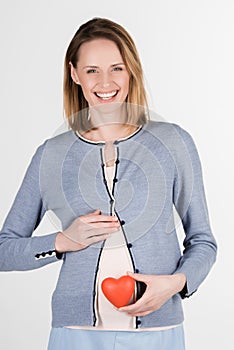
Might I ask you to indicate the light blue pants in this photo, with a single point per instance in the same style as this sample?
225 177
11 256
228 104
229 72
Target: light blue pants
77 339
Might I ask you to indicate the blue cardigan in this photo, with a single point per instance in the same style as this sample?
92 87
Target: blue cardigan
157 170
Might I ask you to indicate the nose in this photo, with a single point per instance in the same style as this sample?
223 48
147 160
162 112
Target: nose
105 80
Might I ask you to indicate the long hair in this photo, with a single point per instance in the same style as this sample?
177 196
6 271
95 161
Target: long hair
75 104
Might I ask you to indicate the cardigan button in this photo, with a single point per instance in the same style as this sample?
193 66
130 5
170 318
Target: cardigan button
43 254
129 245
58 255
138 322
115 180
137 270
117 161
122 222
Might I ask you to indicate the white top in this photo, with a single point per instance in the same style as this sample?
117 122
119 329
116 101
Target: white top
114 251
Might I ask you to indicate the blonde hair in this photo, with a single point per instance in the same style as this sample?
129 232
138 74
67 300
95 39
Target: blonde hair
75 104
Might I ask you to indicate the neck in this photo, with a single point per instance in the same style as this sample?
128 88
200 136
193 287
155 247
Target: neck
109 122
110 132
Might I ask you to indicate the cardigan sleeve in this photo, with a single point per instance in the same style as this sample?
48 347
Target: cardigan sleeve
190 202
18 250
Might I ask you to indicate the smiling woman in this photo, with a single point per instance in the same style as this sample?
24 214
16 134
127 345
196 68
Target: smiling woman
113 181
105 81
101 72
102 64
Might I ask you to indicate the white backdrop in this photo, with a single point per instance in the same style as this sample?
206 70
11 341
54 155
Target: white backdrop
186 47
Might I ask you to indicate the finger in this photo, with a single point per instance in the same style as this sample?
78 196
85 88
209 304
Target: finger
138 306
137 309
98 218
101 231
89 236
139 277
93 226
99 225
139 314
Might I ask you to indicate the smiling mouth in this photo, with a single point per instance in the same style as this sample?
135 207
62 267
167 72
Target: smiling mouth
105 96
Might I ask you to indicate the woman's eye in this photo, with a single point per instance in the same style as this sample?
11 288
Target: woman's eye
118 69
92 71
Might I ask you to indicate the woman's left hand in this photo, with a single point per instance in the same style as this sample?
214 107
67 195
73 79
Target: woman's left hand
158 290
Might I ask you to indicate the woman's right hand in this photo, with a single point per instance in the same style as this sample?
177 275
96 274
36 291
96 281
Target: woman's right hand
86 230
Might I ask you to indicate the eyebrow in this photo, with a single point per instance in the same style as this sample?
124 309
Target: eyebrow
113 65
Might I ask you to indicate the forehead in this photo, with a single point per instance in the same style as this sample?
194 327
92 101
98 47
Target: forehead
98 51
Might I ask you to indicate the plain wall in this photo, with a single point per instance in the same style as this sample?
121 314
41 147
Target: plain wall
186 48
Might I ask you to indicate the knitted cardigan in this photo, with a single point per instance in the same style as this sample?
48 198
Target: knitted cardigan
157 172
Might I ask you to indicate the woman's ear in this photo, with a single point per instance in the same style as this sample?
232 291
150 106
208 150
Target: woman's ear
74 74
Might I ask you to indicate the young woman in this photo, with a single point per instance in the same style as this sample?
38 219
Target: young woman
113 180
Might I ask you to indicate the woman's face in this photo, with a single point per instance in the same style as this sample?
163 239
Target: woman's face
101 72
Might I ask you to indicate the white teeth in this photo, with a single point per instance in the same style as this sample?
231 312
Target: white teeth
107 95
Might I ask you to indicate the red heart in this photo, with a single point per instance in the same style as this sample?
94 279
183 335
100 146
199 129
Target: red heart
118 291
